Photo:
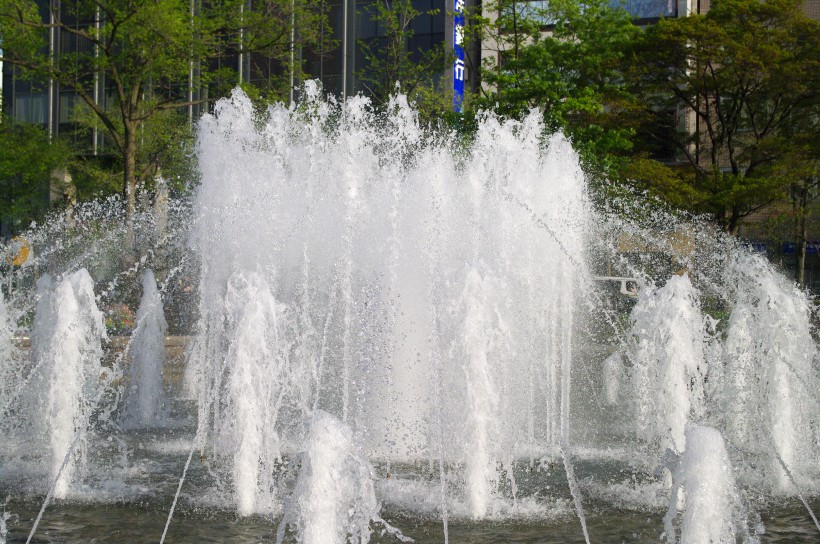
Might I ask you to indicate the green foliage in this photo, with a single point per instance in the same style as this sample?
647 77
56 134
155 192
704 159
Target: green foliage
27 160
572 73
391 67
739 77
156 57
95 177
166 148
16 34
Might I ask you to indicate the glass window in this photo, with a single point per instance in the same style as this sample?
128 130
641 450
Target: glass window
639 9
31 108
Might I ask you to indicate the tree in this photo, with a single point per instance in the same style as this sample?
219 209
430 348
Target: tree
566 60
800 171
737 78
27 161
392 65
166 143
154 56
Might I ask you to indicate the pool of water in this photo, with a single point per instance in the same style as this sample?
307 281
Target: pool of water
128 487
90 522
128 500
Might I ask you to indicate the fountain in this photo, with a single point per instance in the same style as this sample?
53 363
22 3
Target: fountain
713 507
668 365
398 335
143 401
334 499
770 371
7 355
3 529
257 367
67 353
481 337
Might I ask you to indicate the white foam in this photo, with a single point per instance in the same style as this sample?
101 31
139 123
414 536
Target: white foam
334 499
174 446
669 363
770 388
707 480
145 396
66 343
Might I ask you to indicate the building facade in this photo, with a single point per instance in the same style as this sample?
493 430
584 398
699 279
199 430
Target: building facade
337 61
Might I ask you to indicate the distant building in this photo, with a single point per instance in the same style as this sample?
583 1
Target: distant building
336 62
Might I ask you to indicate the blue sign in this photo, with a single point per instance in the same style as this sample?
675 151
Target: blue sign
790 248
458 49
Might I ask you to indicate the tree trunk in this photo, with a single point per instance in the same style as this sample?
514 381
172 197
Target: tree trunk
801 209
730 221
130 189
130 174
